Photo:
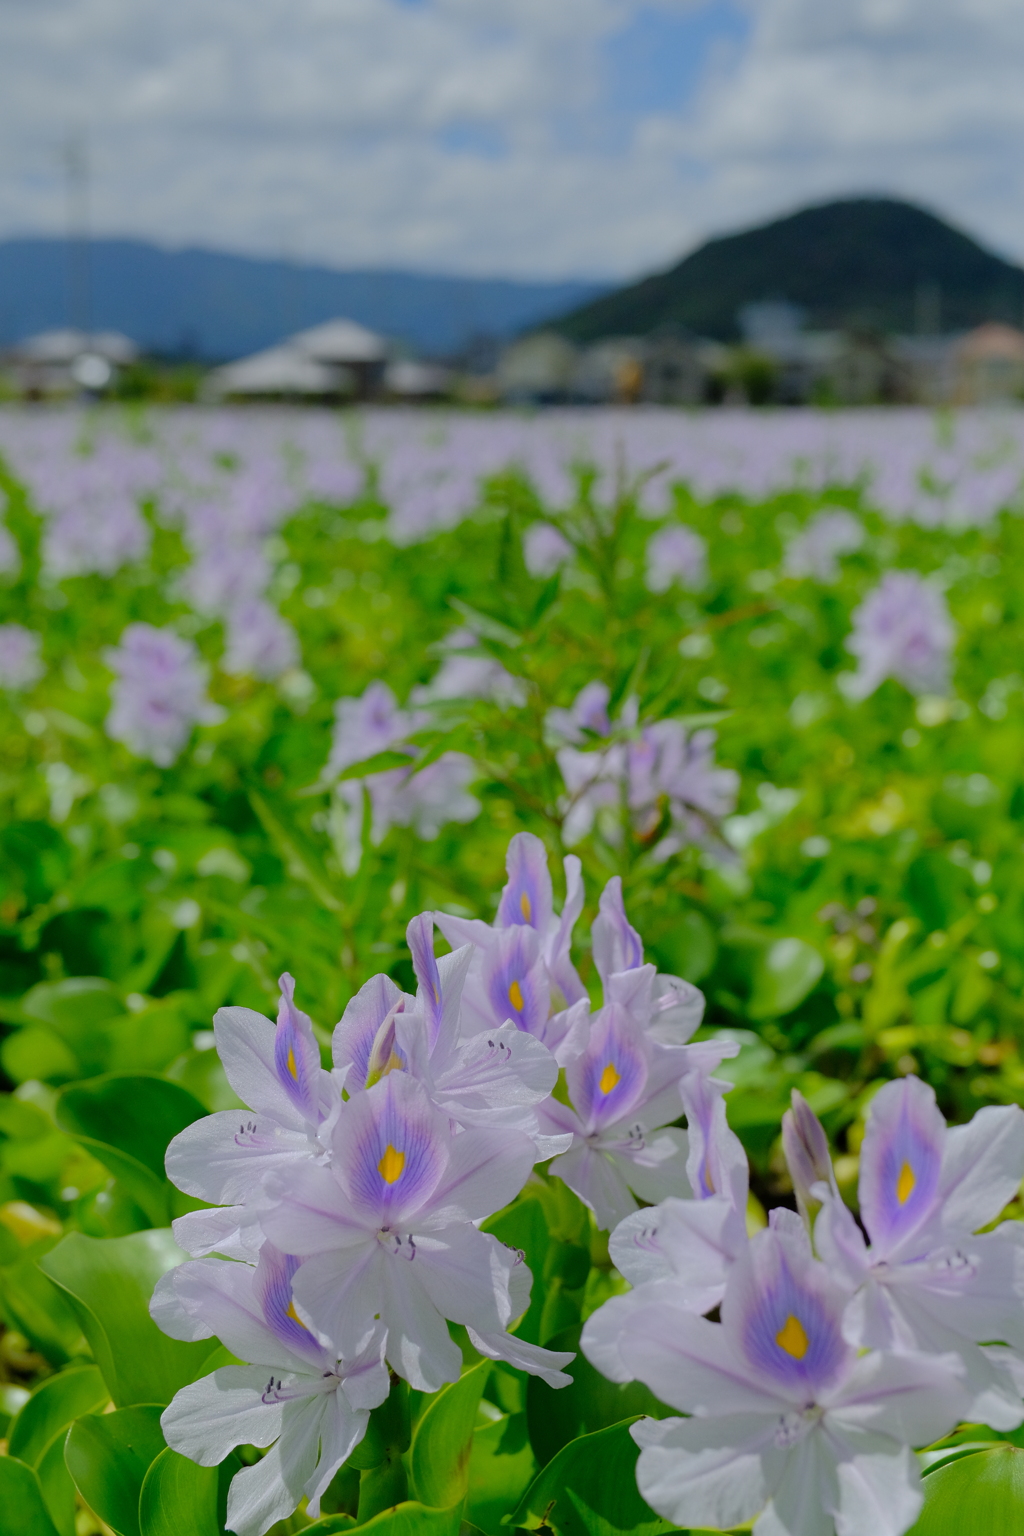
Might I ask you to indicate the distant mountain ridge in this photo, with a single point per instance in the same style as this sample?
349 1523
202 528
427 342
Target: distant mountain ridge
869 263
215 305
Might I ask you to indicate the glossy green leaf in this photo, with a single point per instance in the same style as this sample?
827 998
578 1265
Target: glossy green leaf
55 1404
501 1468
443 1437
408 1519
37 1053
109 1282
979 1495
589 1489
591 1402
108 1456
41 1311
56 1486
178 1496
784 973
126 1122
21 1501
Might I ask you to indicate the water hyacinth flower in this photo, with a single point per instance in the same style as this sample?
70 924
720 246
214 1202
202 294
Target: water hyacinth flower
902 630
791 1426
21 665
467 673
676 555
656 773
403 797
487 1077
159 693
295 1394
816 551
521 971
925 1280
260 643
386 1232
291 1103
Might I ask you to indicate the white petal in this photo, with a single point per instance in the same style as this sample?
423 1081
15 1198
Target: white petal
245 1045
879 1486
914 1398
312 1213
690 1363
982 1167
261 1495
339 1293
223 1158
500 1067
466 1275
806 1494
545 1363
172 1317
708 1472
660 1169
419 1346
341 1429
602 1331
220 1292
598 1182
209 1417
486 1170
230 1230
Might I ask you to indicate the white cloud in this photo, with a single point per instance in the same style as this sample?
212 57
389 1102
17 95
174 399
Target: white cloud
470 134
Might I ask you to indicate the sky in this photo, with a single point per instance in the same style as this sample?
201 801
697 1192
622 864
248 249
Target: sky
520 138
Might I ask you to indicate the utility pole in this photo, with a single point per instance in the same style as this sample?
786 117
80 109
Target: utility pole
76 168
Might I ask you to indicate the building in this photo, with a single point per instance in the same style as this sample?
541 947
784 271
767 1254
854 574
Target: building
68 361
338 360
989 365
537 370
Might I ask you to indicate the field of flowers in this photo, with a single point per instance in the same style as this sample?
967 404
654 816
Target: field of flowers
621 816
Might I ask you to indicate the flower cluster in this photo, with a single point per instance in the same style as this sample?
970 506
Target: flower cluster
343 1228
902 629
159 693
828 536
21 665
838 1347
657 775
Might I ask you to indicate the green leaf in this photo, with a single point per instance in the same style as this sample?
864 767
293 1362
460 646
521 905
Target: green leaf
589 1489
109 1281
56 1486
179 1498
408 1519
41 1311
557 1415
443 1438
108 1456
21 1499
784 973
126 1122
980 1495
36 1053
55 1404
299 860
501 1468
380 762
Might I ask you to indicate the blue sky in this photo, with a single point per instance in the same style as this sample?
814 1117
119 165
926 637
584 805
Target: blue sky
519 137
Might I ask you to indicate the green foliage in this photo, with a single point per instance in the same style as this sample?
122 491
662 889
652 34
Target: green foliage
108 1457
976 1495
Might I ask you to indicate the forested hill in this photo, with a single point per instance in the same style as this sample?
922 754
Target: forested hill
864 262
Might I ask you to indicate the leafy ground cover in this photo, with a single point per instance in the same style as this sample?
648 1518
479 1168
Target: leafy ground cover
839 874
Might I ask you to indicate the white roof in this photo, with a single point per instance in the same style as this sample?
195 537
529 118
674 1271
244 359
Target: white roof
278 371
341 341
63 346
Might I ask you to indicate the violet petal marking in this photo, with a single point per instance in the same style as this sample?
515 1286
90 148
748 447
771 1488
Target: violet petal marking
514 979
526 899
272 1284
900 1161
296 1054
790 1327
360 1024
610 1077
393 1147
617 945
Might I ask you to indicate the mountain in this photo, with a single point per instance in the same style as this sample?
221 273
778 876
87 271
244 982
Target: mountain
214 305
866 263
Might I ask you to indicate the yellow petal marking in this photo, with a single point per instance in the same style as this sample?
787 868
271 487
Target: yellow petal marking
391 1165
515 996
291 1312
792 1338
609 1078
905 1184
525 907
292 1068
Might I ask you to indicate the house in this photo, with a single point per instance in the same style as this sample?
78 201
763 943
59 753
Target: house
338 360
537 369
66 361
989 363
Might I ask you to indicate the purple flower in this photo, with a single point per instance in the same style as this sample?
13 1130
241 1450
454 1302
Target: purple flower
676 555
466 673
816 551
903 630
21 665
651 768
403 797
787 1417
260 643
159 693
